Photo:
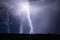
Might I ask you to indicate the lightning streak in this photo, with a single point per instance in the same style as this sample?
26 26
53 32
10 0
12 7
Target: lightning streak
8 22
26 8
30 22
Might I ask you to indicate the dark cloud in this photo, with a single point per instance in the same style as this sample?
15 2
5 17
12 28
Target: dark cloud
43 21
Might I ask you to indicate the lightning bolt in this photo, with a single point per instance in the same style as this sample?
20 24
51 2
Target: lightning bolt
26 8
8 22
30 22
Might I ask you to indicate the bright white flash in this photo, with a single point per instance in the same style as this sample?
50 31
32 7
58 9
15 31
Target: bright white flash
26 8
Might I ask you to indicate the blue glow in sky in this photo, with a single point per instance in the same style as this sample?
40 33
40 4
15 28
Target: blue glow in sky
30 16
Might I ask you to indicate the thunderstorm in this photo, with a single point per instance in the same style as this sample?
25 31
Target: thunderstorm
26 8
30 16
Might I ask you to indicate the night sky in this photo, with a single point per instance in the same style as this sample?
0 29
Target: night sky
45 17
